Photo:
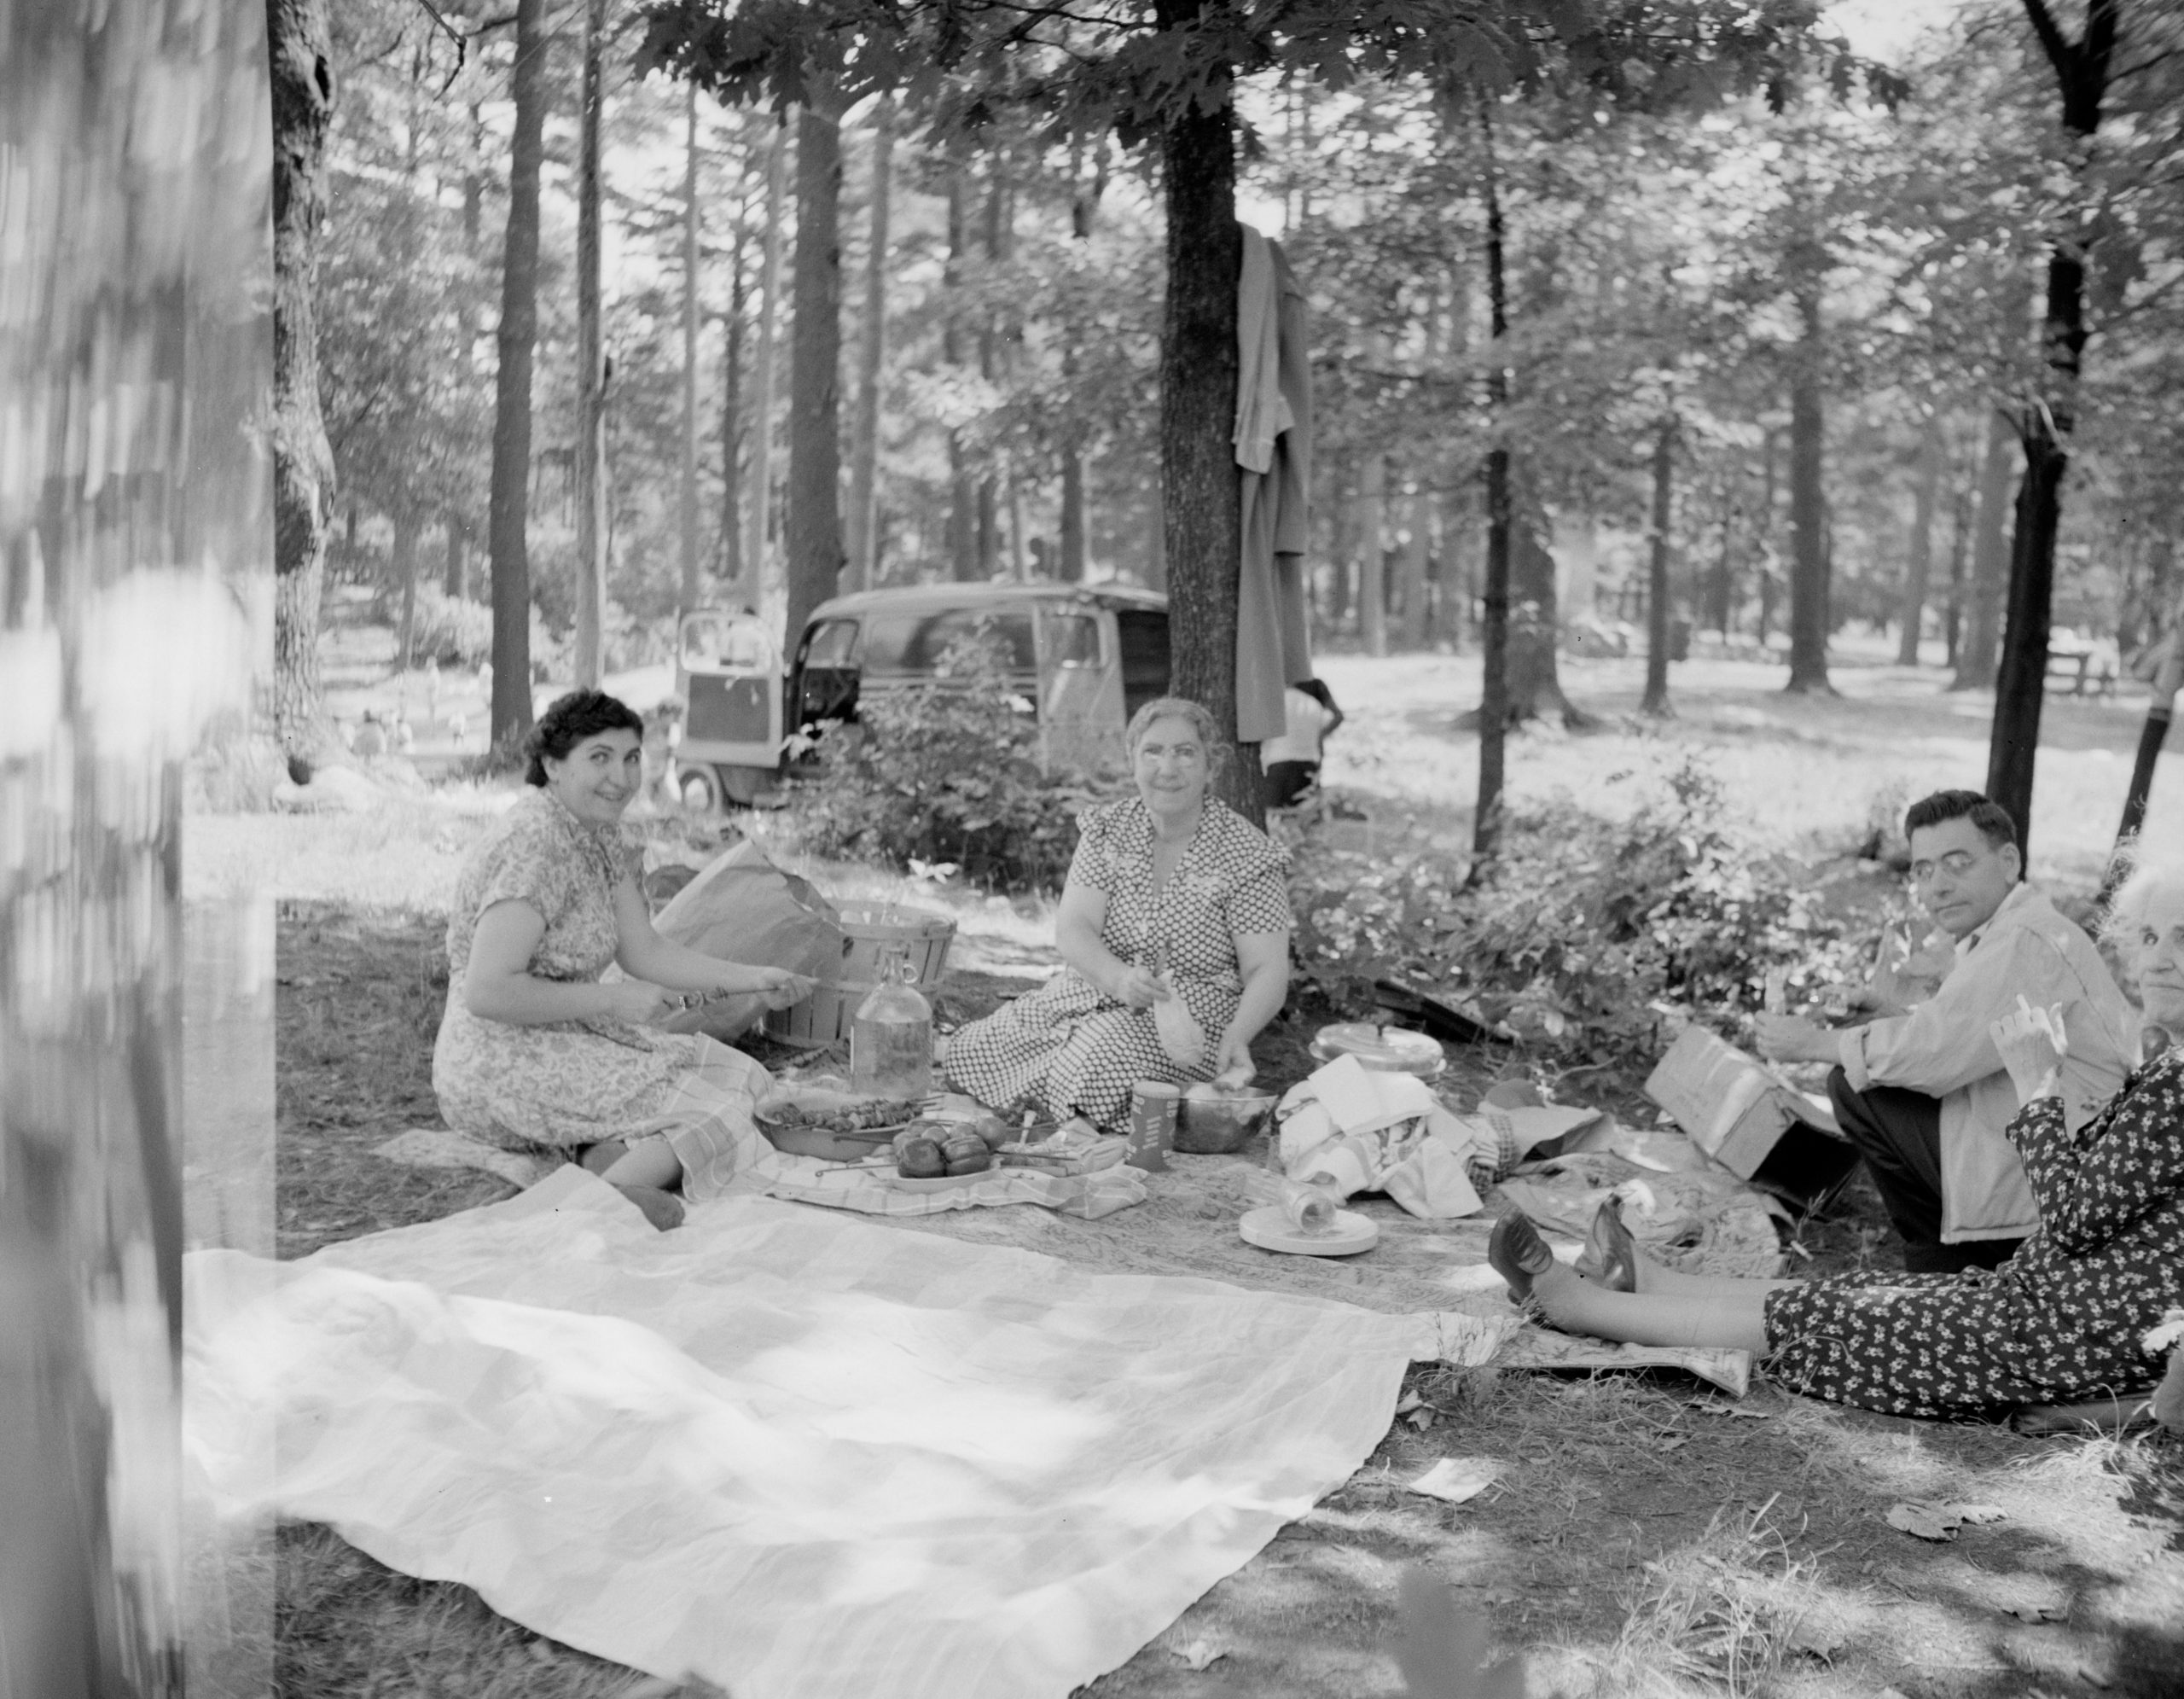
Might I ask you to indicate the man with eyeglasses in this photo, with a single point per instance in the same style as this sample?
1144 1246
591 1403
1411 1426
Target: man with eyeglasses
1922 1093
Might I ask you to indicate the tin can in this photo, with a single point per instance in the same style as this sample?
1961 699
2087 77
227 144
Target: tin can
1154 1104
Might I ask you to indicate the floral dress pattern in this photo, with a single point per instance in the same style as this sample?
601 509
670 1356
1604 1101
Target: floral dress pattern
1077 1050
572 1083
2060 1320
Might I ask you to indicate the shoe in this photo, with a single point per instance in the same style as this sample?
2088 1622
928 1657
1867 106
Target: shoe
1611 1258
1517 1254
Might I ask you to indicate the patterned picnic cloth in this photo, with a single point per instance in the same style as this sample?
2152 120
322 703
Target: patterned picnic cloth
801 1455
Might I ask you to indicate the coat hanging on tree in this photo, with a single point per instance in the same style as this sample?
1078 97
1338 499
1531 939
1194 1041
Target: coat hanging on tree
1273 455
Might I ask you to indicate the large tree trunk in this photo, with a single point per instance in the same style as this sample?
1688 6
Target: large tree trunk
1200 496
1084 209
1809 621
2081 70
815 448
997 223
1977 658
300 46
590 452
732 428
1493 633
1656 700
509 513
759 499
864 442
1372 554
409 526
1410 568
692 593
1920 565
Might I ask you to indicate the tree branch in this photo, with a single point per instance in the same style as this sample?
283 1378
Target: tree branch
2061 54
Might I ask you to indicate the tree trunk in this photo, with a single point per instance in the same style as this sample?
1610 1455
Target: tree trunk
1410 568
590 452
815 450
1656 700
1976 659
1960 558
506 543
864 443
1071 567
1372 555
962 489
2081 70
691 592
1722 593
1920 565
1494 704
760 497
1200 491
989 362
733 429
1808 623
1084 209
300 50
407 526
456 579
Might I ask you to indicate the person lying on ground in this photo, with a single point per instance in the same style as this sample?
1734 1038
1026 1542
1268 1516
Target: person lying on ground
2062 1320
534 1049
1171 895
1922 1093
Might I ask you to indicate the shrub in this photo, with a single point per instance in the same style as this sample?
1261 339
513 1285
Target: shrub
1590 937
947 771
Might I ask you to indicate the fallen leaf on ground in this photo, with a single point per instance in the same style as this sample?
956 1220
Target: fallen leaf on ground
1927 1521
1457 1479
1410 1401
1979 1513
1198 1654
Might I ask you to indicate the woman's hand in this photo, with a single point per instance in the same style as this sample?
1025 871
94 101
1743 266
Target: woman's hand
1232 1060
638 1002
2032 1044
780 987
1137 988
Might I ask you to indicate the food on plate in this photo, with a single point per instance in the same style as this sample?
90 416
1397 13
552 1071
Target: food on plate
844 1118
920 1157
966 1153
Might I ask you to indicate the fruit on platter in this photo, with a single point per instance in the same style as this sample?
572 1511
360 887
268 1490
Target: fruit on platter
924 1150
919 1156
967 1153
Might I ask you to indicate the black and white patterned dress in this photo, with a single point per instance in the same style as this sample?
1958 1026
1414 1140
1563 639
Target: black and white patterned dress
1077 1050
2060 1320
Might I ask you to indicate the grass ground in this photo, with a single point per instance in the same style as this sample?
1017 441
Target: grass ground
1644 1537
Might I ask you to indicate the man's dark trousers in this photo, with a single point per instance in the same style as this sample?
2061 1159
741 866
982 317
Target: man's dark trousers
1899 1133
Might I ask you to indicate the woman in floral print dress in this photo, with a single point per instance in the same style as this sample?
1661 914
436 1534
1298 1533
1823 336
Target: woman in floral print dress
2064 1319
534 1050
1172 882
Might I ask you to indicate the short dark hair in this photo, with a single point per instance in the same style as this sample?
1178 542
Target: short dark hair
573 717
1992 819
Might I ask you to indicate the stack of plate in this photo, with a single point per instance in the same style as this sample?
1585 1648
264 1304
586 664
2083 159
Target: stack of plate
1389 1050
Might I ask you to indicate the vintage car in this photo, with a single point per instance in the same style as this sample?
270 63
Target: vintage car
1083 658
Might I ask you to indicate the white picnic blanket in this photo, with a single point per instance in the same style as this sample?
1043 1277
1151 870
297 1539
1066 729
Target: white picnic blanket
802 1455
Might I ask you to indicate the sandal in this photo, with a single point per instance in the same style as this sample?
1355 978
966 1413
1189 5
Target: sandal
1517 1254
1611 1258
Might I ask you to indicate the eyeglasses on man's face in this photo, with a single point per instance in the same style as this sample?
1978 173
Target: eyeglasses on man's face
1956 864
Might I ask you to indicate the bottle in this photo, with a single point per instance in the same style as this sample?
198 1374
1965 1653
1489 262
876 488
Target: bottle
890 1034
1308 1208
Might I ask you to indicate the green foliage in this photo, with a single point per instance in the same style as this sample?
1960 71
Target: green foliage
1589 934
450 630
948 771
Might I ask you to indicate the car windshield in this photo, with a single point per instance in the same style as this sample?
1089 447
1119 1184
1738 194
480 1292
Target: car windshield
917 643
834 644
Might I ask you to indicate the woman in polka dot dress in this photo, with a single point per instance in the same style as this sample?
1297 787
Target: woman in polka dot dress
2064 1319
1172 888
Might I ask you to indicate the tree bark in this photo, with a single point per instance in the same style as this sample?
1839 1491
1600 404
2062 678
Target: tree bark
815 452
989 358
2081 70
1200 491
1808 622
1976 659
590 450
759 497
1919 567
301 50
962 489
1411 566
1084 209
509 512
864 442
456 579
1372 555
732 428
1656 699
691 589
1494 630
407 525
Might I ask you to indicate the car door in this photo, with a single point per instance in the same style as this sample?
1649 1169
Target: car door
1075 666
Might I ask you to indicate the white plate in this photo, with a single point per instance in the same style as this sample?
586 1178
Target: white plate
1269 1230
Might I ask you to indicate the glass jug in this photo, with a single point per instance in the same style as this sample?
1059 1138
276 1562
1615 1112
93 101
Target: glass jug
891 1035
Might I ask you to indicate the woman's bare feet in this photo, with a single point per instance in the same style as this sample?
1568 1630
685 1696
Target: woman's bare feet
663 1209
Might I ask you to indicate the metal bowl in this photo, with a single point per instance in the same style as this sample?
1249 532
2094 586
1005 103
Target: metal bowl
1220 1126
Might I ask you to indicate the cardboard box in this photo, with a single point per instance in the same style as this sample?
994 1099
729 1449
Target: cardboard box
1751 1120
